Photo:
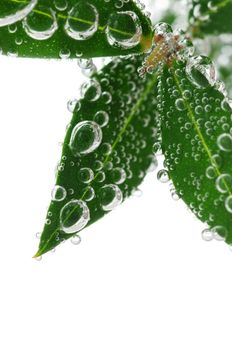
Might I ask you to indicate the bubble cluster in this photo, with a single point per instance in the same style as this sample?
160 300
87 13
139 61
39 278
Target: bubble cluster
196 140
78 21
201 71
108 148
167 46
201 11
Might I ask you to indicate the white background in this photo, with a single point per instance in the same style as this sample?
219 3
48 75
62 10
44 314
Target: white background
142 278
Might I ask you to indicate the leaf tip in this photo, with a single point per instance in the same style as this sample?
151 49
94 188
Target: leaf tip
37 255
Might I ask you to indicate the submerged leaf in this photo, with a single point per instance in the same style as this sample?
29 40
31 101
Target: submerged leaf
197 141
107 151
72 28
211 17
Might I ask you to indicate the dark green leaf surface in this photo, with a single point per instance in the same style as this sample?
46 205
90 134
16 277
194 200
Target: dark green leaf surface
83 28
122 158
197 144
211 17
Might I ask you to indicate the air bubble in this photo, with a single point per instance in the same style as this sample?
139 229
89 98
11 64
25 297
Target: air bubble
76 239
106 149
60 5
106 97
210 172
86 138
224 183
38 235
85 63
91 90
228 204
88 194
162 28
82 22
226 106
212 6
101 118
200 13
59 193
224 142
100 177
124 29
118 176
39 258
17 12
86 175
175 195
219 232
71 105
74 216
12 28
64 53
40 27
216 161
187 94
180 104
163 176
98 165
110 196
207 235
201 71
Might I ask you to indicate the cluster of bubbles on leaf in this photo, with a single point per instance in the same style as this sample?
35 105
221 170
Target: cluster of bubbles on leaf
111 167
80 22
200 71
167 46
201 11
220 49
87 137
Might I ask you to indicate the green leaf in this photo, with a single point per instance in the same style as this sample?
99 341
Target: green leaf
197 142
219 50
50 29
222 62
226 75
210 17
107 151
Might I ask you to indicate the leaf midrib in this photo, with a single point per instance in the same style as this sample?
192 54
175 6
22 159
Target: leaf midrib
129 119
199 133
126 124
